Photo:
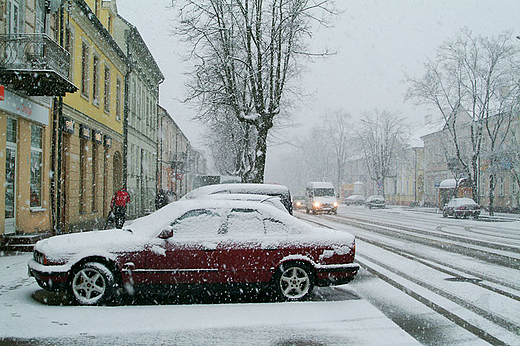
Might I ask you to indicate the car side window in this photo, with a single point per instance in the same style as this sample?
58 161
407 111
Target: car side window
275 227
244 222
195 223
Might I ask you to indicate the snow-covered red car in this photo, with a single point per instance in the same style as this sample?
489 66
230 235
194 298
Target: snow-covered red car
196 242
461 207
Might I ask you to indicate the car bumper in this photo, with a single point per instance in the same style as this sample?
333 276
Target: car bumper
467 212
325 209
52 278
328 275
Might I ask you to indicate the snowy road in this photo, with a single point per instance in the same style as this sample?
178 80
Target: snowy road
333 316
466 270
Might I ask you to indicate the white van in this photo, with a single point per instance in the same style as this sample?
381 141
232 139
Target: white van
320 197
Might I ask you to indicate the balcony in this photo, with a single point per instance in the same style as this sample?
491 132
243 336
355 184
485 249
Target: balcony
35 64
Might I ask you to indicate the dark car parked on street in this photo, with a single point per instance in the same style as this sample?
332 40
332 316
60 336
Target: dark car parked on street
375 201
461 207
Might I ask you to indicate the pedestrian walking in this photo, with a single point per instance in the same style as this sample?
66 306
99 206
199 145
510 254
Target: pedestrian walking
118 207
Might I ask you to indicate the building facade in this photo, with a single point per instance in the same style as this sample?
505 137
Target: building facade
34 75
439 151
177 161
91 141
142 98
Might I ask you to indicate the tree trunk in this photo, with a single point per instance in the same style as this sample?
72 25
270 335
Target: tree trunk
256 173
491 194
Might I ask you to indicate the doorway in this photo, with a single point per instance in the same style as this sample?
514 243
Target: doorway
10 177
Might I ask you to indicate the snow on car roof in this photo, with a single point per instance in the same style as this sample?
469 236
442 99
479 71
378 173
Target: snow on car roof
460 201
320 184
235 188
273 200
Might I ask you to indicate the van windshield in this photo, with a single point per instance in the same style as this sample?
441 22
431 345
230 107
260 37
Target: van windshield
324 192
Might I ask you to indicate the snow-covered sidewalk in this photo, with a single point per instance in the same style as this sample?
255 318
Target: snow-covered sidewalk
331 322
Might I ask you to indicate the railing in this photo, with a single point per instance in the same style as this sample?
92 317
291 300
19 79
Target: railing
33 52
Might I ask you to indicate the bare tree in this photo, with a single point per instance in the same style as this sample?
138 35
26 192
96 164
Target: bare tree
381 136
339 133
471 76
247 51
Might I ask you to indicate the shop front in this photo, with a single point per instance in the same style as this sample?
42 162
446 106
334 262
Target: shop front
25 145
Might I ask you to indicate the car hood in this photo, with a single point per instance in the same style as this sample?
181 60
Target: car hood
105 243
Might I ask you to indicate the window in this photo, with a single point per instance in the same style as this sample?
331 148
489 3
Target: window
36 166
11 130
95 80
109 24
118 98
107 89
69 46
277 227
94 175
82 173
197 223
84 69
244 222
40 17
13 11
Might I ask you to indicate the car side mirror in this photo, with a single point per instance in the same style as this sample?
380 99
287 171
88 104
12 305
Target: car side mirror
166 233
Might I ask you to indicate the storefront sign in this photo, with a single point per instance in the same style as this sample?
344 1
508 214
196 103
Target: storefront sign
67 125
108 141
97 137
23 107
84 131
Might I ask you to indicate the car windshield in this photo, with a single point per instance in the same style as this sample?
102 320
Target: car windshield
324 192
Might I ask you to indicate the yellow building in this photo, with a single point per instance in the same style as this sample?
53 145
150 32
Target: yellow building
34 71
91 137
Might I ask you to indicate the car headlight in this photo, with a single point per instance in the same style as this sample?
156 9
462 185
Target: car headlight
316 204
298 204
335 204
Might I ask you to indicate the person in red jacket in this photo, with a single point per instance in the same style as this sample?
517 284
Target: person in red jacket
118 205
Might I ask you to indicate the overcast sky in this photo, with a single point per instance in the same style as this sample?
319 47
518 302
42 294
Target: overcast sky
377 42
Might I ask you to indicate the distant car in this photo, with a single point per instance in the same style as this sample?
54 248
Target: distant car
375 201
202 242
298 202
461 207
355 200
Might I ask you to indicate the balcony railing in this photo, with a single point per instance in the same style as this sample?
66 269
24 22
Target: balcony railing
35 63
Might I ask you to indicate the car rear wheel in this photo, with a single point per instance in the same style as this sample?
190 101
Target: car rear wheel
92 284
293 281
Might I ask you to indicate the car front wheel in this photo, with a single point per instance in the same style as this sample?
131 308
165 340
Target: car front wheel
92 284
293 281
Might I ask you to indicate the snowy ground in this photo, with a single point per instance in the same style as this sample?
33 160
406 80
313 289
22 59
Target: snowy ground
322 321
